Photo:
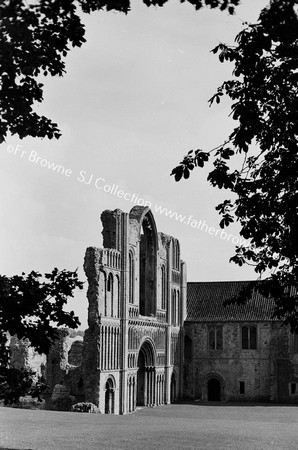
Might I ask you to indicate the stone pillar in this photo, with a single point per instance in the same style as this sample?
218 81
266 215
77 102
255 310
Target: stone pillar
183 290
169 327
124 292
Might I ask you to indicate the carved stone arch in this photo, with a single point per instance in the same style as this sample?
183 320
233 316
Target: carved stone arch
110 282
146 373
111 379
110 386
148 348
138 213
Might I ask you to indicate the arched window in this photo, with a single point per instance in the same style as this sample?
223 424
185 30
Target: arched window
148 266
105 294
215 341
110 297
177 261
175 254
212 339
131 277
249 337
219 338
110 283
163 287
174 307
178 308
117 296
253 338
245 338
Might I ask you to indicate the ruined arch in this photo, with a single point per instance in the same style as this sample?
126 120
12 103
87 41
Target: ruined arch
148 247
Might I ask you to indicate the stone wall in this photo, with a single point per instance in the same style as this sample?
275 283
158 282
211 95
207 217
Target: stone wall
22 356
264 373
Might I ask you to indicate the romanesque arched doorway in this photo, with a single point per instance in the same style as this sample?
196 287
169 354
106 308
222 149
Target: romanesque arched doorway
146 375
109 397
173 387
214 390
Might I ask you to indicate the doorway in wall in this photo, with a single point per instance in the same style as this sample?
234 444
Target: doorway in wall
214 390
109 397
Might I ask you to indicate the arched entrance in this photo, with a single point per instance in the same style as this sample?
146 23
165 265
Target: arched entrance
214 390
146 375
109 397
173 387
141 379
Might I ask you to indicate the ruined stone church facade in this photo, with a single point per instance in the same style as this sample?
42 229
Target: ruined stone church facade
133 347
153 338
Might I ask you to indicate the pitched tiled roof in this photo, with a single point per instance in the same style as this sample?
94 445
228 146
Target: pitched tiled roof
205 302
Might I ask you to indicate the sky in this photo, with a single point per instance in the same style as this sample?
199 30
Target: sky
133 102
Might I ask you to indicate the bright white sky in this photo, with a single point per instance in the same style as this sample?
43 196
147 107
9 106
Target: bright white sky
133 102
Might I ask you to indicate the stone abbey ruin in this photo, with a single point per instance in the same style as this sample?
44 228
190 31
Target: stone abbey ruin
153 338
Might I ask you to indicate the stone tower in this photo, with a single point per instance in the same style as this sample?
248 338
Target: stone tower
137 305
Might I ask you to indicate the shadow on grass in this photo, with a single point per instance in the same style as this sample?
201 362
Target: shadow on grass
236 404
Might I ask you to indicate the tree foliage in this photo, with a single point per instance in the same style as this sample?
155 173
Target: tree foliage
33 309
35 37
264 92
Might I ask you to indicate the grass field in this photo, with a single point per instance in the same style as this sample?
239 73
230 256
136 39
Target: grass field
180 426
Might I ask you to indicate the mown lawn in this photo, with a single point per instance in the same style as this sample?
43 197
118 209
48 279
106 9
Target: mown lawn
181 426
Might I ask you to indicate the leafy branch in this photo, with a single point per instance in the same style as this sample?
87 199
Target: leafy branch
264 92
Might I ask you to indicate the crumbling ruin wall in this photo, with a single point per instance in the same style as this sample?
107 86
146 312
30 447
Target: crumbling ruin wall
96 291
60 371
111 221
90 376
23 356
92 263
